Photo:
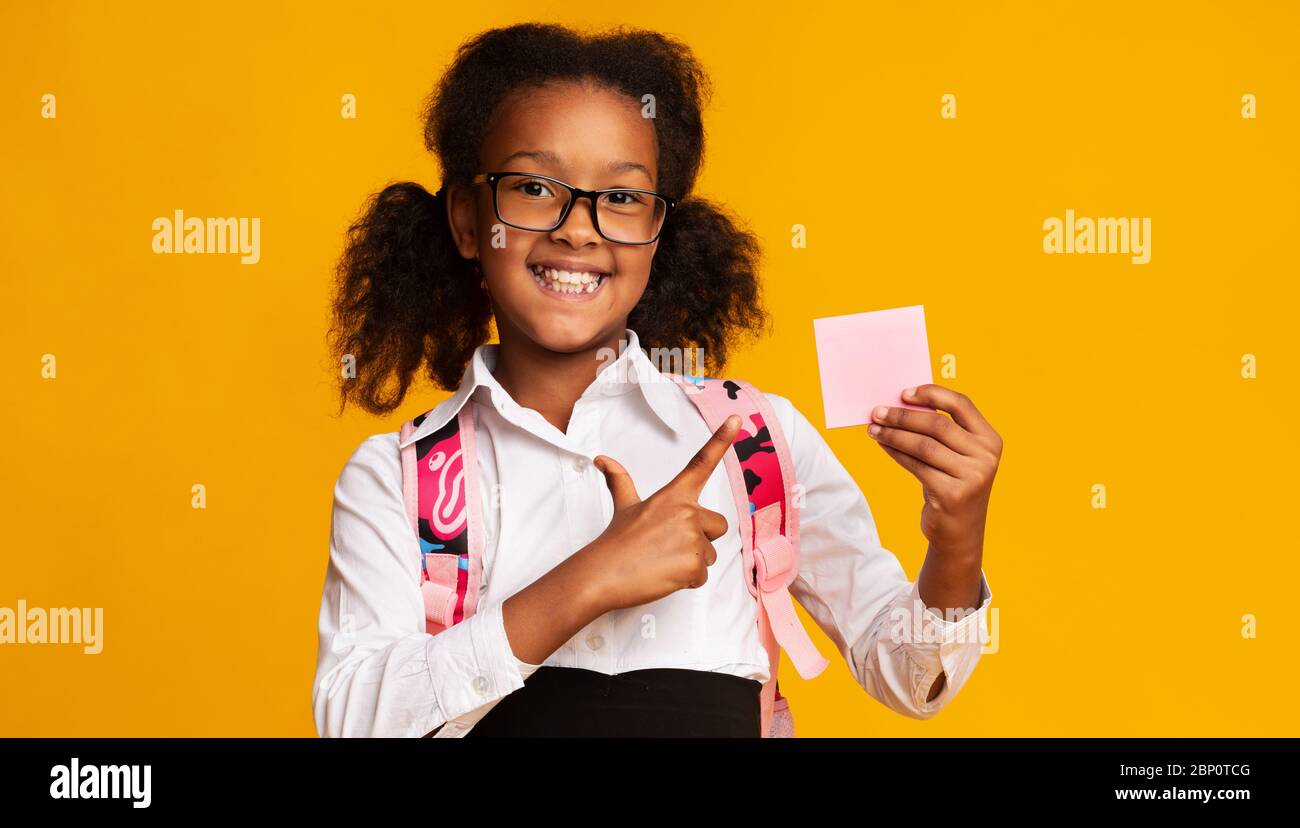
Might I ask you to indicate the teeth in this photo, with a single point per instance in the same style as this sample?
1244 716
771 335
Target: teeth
563 281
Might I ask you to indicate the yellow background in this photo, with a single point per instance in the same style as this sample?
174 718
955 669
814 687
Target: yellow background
176 370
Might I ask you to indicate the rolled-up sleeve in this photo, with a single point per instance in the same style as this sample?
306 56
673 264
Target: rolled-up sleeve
858 593
379 673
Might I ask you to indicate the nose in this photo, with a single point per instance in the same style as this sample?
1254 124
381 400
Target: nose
579 227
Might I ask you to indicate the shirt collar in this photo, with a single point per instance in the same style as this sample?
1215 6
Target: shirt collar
631 370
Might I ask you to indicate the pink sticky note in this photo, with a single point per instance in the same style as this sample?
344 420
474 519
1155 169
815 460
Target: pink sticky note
867 359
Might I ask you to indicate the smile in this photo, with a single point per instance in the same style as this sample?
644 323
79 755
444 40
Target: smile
567 286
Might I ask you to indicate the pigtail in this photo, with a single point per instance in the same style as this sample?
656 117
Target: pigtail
404 296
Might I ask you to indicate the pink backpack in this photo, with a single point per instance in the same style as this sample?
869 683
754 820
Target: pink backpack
442 497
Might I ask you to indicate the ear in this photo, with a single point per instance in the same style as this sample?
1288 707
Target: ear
462 218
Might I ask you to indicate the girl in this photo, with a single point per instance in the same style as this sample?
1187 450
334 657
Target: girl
611 601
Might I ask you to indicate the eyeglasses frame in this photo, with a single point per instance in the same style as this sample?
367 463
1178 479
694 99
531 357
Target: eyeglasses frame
575 193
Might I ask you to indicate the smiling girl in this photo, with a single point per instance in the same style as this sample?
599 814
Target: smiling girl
612 598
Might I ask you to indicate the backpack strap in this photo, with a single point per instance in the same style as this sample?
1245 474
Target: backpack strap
761 470
440 489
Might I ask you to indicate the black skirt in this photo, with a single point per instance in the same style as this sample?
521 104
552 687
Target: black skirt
571 701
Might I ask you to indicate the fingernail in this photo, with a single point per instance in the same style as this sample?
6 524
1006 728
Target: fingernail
909 392
873 429
881 412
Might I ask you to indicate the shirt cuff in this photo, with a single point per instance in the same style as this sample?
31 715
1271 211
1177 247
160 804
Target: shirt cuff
938 628
467 688
936 645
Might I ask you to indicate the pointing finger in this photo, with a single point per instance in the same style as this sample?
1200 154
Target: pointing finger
691 479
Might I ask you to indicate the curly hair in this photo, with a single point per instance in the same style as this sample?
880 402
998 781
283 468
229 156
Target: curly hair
406 298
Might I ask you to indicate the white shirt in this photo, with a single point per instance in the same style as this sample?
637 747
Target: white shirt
379 673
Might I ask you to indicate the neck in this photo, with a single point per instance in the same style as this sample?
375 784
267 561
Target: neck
549 382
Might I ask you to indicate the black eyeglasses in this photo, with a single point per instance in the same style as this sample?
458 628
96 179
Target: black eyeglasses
623 215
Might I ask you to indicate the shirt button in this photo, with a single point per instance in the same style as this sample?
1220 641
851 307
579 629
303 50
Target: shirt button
481 684
595 642
580 465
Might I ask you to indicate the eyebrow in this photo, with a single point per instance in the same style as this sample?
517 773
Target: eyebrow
548 157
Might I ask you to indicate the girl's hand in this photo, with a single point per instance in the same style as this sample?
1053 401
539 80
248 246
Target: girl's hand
955 460
657 546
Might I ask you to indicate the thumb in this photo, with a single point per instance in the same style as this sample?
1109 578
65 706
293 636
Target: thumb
619 481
